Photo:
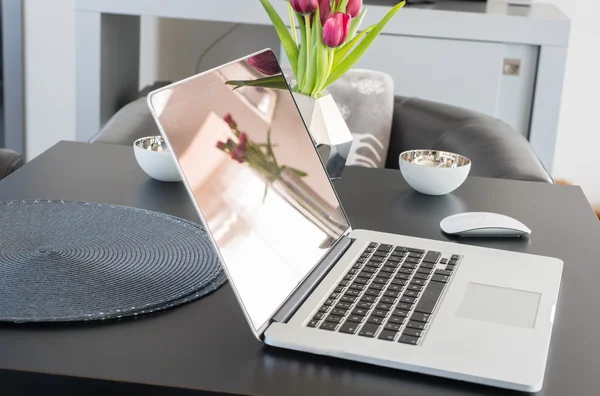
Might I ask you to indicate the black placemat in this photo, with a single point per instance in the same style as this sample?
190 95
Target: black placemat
76 261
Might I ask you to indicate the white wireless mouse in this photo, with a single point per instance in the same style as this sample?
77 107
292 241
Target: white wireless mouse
483 224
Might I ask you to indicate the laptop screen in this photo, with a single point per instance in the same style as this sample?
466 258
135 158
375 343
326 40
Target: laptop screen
249 163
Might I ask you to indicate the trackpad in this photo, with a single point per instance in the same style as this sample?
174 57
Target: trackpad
500 305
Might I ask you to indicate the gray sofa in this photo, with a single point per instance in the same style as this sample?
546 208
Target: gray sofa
10 161
496 149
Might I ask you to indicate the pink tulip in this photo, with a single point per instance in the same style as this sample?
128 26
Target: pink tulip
354 8
265 63
336 29
229 120
304 7
324 10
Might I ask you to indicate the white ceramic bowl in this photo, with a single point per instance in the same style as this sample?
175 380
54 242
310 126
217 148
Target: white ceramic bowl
154 157
434 172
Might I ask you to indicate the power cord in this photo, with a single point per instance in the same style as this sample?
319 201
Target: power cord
213 45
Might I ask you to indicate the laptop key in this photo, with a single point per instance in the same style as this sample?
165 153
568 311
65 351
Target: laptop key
420 317
414 287
369 269
357 286
380 253
409 265
444 261
367 275
349 327
411 293
413 332
377 286
430 297
426 271
324 309
339 289
415 255
369 330
391 293
399 312
387 248
328 326
361 281
353 271
450 267
408 300
420 276
375 320
313 323
412 260
421 251
373 292
348 299
369 250
344 283
453 262
360 311
364 305
319 316
329 301
404 306
372 245
405 271
408 340
356 318
396 320
368 298
386 275
361 260
432 257
387 335
399 282
455 257
401 249
380 280
380 312
378 259
357 265
384 306
343 305
334 296
388 300
440 278
416 325
393 327
388 269
374 264
394 264
339 312
348 277
402 276
442 272
394 259
334 319
394 287
353 293
427 265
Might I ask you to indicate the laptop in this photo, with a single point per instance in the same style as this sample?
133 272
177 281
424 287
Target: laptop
307 281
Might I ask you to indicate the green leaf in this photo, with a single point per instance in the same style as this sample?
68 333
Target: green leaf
292 24
355 24
301 75
322 68
298 172
311 76
290 47
361 48
277 82
342 6
341 52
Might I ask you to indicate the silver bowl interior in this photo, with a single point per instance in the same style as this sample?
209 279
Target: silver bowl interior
152 143
435 159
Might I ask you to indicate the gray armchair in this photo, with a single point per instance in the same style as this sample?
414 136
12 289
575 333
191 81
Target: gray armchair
10 161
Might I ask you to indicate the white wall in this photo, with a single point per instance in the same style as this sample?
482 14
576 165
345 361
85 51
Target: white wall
579 127
49 96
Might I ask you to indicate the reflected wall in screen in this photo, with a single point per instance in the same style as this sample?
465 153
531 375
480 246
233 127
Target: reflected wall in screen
255 175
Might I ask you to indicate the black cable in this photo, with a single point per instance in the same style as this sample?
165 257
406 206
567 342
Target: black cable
213 45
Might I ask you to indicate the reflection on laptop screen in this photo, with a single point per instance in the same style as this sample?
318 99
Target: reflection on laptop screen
251 166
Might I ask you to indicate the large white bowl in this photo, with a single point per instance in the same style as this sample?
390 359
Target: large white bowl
434 172
154 157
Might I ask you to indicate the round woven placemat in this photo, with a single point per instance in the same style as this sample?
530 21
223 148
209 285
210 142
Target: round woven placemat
75 261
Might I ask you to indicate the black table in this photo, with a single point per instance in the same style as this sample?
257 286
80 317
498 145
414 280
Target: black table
207 345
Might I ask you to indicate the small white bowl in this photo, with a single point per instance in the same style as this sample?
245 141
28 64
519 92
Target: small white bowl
434 172
155 158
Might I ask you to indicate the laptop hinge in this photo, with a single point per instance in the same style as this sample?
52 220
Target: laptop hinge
312 281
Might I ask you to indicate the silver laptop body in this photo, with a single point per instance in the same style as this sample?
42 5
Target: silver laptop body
302 275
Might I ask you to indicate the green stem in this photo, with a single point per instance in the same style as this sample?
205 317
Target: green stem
308 60
292 23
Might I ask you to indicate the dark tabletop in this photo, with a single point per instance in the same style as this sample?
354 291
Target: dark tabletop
207 345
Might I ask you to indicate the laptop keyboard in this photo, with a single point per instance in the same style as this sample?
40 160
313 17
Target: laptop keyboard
390 293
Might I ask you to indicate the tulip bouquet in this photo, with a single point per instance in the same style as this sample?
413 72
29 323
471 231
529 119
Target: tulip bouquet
259 156
329 43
